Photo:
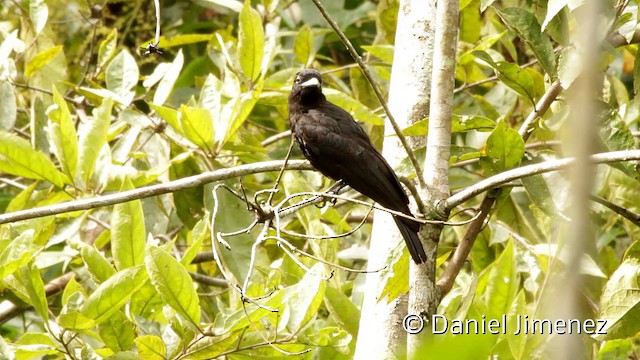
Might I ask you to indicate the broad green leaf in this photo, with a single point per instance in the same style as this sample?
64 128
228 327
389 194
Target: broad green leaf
40 60
484 4
197 126
230 4
75 320
39 14
547 191
112 294
17 253
342 309
518 342
173 283
151 347
117 332
72 292
197 236
211 96
382 52
99 267
172 116
460 123
620 301
526 82
29 277
250 41
242 107
395 278
616 349
303 46
304 298
615 135
93 136
569 66
18 158
62 134
128 234
553 8
107 48
181 40
211 347
503 150
8 106
122 76
524 24
497 286
166 84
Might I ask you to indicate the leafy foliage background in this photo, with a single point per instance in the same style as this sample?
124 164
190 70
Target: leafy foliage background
83 114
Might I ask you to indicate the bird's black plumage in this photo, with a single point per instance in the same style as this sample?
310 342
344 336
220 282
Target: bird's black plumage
340 149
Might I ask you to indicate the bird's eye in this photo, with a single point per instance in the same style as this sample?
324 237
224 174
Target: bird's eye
297 80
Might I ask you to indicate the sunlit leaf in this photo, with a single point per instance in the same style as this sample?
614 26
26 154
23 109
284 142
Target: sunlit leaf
303 46
211 347
128 234
107 48
503 150
62 132
166 84
117 332
151 347
18 158
39 14
121 76
93 136
8 106
40 60
250 41
29 277
173 283
111 295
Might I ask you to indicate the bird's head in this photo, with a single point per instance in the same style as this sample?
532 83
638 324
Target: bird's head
307 79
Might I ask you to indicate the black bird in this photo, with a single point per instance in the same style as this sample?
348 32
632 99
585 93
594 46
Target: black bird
339 148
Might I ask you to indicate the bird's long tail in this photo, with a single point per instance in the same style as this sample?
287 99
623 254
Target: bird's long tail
409 230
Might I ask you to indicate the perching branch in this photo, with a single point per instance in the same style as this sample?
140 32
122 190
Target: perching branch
529 170
365 71
153 190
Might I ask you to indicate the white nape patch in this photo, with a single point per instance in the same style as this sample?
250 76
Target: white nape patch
311 82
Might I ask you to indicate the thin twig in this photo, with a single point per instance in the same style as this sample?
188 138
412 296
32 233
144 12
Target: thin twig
365 71
629 215
448 277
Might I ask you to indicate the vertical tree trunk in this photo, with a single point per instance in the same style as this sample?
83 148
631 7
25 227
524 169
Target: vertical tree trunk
381 334
423 292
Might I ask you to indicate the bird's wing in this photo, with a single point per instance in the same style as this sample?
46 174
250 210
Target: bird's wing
339 148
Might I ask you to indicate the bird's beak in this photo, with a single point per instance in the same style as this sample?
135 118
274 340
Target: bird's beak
311 82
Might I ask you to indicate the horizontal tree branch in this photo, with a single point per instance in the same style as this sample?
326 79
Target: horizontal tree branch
153 190
529 170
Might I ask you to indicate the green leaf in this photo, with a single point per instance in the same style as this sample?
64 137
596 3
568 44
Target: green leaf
197 236
17 253
38 13
111 295
173 283
250 41
211 347
93 136
183 39
241 109
615 135
342 310
553 8
620 301
524 24
122 76
211 96
128 234
62 134
8 106
166 84
570 66
197 126
117 332
304 298
29 277
303 46
484 4
497 286
107 48
382 52
40 60
396 280
460 123
18 158
503 150
151 347
99 267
